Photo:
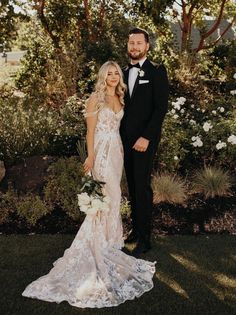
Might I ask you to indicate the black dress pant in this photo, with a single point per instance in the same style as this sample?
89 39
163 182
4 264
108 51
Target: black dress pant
138 168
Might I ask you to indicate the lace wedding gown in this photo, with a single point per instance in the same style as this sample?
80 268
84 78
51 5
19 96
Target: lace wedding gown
94 272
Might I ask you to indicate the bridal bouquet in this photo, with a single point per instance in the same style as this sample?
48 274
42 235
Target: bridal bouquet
91 198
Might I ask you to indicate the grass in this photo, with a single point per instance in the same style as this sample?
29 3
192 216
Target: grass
194 275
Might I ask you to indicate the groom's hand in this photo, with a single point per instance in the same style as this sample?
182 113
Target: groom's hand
141 144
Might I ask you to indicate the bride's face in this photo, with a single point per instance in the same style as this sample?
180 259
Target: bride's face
113 76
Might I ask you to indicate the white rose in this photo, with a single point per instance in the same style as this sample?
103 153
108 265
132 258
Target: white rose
97 203
233 92
175 116
213 112
176 158
234 76
84 208
222 109
83 199
172 111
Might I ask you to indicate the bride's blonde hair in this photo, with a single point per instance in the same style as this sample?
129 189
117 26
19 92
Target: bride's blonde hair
101 85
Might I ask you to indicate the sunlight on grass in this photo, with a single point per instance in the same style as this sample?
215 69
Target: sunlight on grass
172 284
225 280
188 264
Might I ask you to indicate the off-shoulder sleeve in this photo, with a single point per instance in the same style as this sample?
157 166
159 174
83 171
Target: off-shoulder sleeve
90 114
90 111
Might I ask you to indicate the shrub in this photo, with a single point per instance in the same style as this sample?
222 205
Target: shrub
125 209
25 128
212 182
62 187
167 188
7 204
32 208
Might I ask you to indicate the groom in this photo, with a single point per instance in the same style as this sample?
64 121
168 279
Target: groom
146 103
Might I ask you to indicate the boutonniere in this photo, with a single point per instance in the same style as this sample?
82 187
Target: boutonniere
141 73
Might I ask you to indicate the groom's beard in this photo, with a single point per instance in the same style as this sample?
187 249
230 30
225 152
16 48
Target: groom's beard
137 56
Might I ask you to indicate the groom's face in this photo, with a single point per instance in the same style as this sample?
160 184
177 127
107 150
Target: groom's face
137 46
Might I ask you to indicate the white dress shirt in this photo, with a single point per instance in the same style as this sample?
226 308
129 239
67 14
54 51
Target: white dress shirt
133 73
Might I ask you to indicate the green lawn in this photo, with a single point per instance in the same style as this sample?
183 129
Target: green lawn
195 275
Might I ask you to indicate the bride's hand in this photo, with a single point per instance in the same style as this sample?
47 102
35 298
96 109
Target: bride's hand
88 164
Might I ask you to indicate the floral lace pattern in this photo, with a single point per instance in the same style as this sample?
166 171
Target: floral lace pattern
94 272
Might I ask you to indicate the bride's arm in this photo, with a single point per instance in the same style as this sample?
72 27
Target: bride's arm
91 121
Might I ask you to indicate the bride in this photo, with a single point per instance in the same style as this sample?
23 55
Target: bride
94 271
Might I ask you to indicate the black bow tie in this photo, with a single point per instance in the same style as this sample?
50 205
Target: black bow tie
137 65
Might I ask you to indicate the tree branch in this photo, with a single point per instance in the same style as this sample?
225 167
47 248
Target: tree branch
213 28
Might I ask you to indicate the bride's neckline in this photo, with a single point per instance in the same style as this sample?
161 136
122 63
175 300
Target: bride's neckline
108 107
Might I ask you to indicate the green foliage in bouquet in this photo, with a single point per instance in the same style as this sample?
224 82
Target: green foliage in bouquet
62 187
91 186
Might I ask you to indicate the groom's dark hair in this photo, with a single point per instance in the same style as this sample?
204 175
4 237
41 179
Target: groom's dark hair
138 30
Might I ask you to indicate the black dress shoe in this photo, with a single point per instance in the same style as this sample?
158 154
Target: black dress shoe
132 237
141 248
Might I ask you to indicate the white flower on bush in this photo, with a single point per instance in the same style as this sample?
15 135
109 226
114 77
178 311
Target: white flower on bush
220 145
234 76
175 116
176 158
233 92
192 106
207 126
221 109
181 100
213 112
176 105
182 110
197 142
232 139
172 111
192 122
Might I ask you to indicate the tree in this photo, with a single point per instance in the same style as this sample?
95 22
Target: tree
8 20
192 13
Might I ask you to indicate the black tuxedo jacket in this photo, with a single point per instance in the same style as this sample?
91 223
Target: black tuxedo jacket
145 110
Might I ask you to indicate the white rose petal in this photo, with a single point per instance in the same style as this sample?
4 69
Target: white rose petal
83 199
84 208
97 203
